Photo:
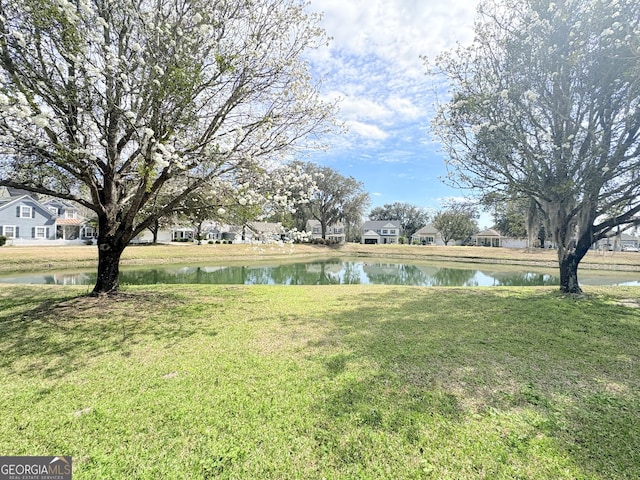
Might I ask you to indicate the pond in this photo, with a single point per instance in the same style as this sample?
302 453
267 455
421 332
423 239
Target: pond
335 272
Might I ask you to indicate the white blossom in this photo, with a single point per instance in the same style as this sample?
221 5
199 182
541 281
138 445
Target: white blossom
41 121
20 38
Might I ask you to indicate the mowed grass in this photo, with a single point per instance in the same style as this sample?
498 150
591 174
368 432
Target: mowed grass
362 382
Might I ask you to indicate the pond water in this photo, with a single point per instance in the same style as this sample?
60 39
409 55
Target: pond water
334 272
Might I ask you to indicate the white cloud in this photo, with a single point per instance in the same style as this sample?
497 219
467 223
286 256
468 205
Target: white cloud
360 108
373 63
374 66
398 31
404 107
368 131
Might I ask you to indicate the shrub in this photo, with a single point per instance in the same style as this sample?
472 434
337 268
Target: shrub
3 240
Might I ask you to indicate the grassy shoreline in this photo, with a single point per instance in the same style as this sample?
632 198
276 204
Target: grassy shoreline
349 381
31 259
367 382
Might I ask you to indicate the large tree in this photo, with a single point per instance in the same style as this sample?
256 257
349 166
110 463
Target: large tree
456 222
546 104
117 103
411 217
337 198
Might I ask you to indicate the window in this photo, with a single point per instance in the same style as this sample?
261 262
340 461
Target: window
392 232
40 232
53 210
24 211
9 231
316 229
70 214
385 232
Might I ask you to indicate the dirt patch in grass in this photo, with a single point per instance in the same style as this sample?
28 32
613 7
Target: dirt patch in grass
86 307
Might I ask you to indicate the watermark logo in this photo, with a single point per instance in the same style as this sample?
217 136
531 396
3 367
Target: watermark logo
35 468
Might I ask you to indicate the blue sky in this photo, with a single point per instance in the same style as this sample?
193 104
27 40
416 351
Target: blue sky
373 66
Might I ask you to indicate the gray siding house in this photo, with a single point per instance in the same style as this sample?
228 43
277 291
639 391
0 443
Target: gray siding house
24 220
381 232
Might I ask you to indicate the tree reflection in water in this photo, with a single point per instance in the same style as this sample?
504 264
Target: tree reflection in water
333 272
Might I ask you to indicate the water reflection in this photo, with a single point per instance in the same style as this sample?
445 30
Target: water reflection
333 273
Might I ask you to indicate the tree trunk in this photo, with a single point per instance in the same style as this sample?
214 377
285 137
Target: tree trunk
154 230
569 274
108 280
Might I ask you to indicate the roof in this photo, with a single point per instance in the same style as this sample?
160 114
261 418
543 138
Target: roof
10 200
11 192
69 221
316 223
57 201
428 229
378 224
265 227
490 232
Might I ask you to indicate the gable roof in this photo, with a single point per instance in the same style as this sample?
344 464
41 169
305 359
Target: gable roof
62 203
490 232
266 227
10 192
5 202
428 229
378 224
316 223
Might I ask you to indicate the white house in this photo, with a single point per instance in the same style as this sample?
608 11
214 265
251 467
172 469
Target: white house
427 235
493 238
334 232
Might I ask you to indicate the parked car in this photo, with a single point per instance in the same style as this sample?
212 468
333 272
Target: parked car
630 248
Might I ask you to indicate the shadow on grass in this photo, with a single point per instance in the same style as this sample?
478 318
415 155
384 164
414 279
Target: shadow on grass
53 334
573 364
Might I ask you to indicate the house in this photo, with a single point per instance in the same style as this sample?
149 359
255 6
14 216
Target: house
487 238
255 232
163 235
25 220
380 231
427 235
617 242
493 238
335 232
70 224
266 231
627 240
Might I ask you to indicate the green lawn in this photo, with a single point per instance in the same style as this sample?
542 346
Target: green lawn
281 382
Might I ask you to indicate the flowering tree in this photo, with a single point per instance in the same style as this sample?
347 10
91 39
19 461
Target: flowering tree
118 103
546 103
